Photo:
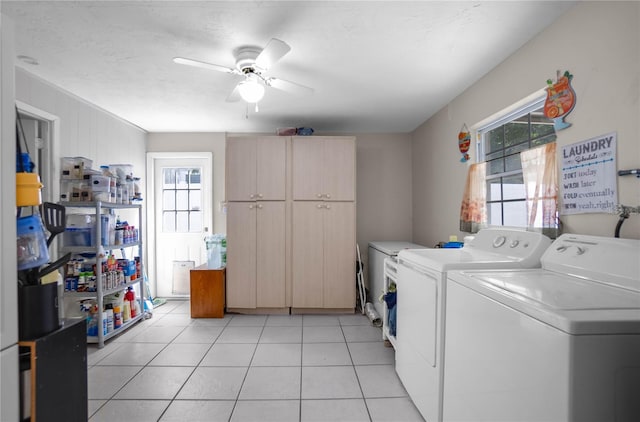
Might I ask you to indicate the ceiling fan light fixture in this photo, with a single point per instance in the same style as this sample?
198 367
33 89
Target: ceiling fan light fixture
251 90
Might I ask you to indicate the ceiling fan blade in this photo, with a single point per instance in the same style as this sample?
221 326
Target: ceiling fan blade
204 65
273 52
290 87
234 96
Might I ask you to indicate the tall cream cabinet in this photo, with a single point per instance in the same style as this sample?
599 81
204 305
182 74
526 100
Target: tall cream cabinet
256 168
324 255
323 223
290 223
256 254
256 222
324 169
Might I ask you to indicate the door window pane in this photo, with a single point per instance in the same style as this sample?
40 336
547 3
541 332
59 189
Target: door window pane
182 222
195 200
195 221
169 221
182 196
168 200
182 200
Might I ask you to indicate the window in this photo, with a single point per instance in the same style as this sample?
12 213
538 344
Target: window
500 145
181 200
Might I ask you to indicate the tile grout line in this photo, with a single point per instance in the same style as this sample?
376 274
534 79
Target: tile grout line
194 368
244 379
262 333
366 406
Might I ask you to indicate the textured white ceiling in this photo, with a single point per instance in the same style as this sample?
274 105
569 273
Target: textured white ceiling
382 66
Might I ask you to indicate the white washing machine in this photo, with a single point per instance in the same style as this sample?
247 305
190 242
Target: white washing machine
560 343
422 274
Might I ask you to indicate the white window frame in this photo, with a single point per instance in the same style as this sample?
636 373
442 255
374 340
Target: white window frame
511 114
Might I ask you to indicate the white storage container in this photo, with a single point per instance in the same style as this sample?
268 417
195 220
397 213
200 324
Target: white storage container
100 183
80 230
74 167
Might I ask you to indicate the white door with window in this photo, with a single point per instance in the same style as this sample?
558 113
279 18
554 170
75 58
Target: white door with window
178 213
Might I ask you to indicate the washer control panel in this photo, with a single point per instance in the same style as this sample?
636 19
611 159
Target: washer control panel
607 259
516 243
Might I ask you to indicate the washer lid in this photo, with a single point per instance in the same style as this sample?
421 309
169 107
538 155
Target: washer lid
445 259
571 304
392 247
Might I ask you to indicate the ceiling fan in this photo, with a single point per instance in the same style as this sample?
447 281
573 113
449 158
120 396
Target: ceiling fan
252 63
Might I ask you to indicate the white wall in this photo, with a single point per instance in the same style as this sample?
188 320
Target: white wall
383 187
199 142
84 129
383 190
599 43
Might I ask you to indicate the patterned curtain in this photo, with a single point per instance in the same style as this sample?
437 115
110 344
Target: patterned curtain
473 210
540 174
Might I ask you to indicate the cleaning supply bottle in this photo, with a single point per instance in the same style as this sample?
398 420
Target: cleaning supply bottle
130 297
223 249
117 317
212 245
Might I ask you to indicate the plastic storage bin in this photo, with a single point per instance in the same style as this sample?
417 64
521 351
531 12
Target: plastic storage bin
80 230
74 167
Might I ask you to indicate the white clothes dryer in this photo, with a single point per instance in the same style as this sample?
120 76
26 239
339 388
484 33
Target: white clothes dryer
421 284
559 343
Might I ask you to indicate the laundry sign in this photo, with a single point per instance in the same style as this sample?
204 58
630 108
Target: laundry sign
588 176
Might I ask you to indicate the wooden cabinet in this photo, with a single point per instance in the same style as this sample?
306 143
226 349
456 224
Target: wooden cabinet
323 255
324 168
290 222
207 292
256 168
256 254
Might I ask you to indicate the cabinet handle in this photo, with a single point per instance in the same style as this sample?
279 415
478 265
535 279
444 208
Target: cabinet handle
319 206
251 207
328 207
252 196
260 206
319 195
259 195
327 196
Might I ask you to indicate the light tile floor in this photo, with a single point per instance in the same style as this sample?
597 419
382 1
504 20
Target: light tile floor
246 368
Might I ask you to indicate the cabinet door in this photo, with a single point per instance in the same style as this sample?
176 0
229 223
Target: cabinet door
324 169
307 169
307 256
271 168
270 261
241 159
241 255
339 255
339 169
